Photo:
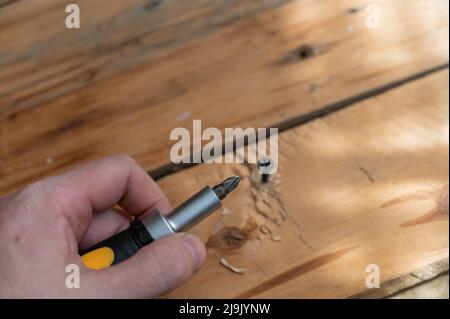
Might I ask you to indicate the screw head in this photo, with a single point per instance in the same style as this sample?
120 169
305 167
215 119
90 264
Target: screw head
265 165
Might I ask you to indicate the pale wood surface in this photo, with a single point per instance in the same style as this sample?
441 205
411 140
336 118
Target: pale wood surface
365 185
136 70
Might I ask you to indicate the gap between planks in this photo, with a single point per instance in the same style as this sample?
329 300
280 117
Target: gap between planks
169 169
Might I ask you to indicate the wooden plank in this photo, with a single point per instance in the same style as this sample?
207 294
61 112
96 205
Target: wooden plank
365 185
41 66
435 288
136 70
419 276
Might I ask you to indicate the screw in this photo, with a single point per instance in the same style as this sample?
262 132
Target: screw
264 165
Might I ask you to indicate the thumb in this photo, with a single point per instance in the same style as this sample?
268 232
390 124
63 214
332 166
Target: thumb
155 269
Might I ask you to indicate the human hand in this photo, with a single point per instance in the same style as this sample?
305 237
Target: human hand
43 226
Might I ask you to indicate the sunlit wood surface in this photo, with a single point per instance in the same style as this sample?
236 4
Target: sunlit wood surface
363 114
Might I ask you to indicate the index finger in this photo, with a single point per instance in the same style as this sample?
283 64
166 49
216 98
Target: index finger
101 184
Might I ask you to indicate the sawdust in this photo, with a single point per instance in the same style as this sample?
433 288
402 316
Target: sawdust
267 201
263 218
267 231
265 196
224 211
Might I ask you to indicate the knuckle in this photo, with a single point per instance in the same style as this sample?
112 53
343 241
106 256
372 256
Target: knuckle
122 159
61 227
119 163
180 260
168 266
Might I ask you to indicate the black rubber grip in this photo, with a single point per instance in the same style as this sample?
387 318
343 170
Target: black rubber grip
126 243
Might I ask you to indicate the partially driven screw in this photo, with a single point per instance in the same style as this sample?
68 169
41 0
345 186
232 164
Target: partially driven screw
264 165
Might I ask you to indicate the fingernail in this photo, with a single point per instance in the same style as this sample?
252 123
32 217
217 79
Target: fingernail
195 248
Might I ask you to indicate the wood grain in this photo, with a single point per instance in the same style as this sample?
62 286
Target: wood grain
137 69
365 185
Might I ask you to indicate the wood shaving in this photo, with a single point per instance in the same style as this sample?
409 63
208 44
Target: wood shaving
276 238
227 265
224 211
266 231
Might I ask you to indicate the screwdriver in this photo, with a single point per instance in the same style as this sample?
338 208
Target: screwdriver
154 226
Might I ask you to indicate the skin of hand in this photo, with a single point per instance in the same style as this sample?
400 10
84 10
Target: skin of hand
43 226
